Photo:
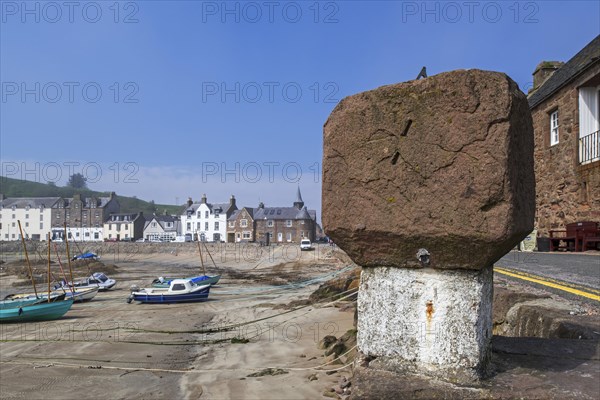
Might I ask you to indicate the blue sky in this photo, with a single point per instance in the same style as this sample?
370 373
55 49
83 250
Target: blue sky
170 99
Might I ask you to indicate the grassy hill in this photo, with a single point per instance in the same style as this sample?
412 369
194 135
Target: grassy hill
18 188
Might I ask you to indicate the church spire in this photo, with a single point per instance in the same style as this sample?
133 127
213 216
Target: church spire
299 203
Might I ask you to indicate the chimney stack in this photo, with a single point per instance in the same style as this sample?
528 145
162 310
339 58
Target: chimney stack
543 71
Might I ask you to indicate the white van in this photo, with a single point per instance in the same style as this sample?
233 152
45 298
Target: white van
305 244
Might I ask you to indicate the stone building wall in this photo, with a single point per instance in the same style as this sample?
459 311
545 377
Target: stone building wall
565 190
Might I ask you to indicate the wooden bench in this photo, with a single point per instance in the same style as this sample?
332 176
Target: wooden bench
591 243
578 236
561 241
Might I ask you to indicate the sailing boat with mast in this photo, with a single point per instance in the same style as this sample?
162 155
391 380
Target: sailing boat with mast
76 294
203 279
38 308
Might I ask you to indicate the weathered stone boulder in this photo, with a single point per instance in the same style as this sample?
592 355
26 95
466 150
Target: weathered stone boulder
443 163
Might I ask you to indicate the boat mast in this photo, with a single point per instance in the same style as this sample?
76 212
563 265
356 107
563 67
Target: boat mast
211 257
201 259
27 258
49 240
69 257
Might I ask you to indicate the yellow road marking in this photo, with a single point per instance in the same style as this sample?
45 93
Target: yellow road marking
546 282
546 279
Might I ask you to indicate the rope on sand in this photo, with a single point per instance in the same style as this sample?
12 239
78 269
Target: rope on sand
181 371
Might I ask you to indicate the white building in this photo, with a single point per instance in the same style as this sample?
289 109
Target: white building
35 214
124 227
162 228
207 221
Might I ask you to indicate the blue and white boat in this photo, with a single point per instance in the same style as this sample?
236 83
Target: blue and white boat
198 280
179 291
96 280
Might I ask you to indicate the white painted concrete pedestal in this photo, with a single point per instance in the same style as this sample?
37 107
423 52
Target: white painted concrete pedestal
428 321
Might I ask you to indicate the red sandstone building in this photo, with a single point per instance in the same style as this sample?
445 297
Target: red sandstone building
565 106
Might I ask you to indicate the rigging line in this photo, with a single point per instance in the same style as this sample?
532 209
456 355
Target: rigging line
232 326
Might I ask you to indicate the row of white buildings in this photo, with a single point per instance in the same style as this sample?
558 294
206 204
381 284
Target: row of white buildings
98 219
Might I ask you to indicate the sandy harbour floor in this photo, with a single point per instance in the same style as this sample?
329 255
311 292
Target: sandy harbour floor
109 349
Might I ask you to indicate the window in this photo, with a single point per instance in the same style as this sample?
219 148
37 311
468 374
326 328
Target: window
232 224
198 215
14 216
13 224
87 234
289 237
198 225
154 224
246 235
288 223
205 214
206 226
554 128
216 226
270 223
41 217
26 216
118 227
189 226
41 225
26 224
126 226
243 223
96 235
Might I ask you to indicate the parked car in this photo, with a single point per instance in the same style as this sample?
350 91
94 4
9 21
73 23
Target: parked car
305 244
